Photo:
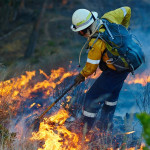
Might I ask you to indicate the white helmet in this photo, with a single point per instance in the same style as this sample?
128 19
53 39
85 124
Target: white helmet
82 18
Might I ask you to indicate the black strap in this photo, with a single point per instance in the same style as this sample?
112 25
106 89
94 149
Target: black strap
93 16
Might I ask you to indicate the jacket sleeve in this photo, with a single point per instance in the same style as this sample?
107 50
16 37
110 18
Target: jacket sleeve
94 56
119 16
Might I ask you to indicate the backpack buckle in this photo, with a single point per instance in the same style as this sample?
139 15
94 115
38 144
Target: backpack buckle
110 61
131 68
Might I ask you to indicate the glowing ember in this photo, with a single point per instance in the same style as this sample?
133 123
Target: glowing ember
68 98
85 91
32 105
130 132
38 105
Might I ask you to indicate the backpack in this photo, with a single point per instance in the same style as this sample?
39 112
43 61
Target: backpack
123 49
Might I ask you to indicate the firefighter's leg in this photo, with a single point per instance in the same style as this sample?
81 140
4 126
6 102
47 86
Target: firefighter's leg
107 113
93 101
92 105
108 109
108 83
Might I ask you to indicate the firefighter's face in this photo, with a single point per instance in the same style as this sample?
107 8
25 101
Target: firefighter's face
85 32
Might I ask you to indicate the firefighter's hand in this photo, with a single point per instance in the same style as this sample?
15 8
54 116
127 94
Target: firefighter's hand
79 78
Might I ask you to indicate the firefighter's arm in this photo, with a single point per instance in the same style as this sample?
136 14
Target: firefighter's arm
94 56
119 16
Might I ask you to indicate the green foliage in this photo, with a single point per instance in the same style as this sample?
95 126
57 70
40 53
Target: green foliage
145 121
145 148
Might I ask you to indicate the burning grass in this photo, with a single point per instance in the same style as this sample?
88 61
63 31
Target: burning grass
55 135
25 96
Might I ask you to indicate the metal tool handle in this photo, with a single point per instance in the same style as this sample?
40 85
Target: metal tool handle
67 90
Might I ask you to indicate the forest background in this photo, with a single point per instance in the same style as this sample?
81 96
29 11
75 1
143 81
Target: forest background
36 34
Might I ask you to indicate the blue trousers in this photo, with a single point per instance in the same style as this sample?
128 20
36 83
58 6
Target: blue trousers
103 94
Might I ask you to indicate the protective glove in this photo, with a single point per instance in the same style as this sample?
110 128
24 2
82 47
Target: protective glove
79 78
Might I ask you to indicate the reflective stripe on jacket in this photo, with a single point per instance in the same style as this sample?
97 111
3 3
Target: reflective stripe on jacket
119 16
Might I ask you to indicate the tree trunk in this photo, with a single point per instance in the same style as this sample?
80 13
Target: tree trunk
34 35
22 6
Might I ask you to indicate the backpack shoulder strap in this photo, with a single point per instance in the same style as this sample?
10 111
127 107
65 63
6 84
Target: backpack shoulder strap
105 24
97 35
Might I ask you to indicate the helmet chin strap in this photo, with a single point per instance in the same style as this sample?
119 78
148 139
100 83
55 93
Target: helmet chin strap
93 16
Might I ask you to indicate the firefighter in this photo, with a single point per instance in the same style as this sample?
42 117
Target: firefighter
105 91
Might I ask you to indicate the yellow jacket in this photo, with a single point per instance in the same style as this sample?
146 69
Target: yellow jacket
119 16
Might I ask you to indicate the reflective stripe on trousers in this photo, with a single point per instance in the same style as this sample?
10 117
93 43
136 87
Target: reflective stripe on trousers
111 103
89 114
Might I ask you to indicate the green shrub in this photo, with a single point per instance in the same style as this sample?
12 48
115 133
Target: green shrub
145 121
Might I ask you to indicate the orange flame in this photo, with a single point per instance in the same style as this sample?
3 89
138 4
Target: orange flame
133 148
52 130
16 90
142 79
55 135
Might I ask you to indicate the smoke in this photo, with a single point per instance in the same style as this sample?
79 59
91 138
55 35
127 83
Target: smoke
144 39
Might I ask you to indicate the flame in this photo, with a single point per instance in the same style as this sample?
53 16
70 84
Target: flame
55 135
52 130
142 79
133 148
11 88
17 90
22 88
